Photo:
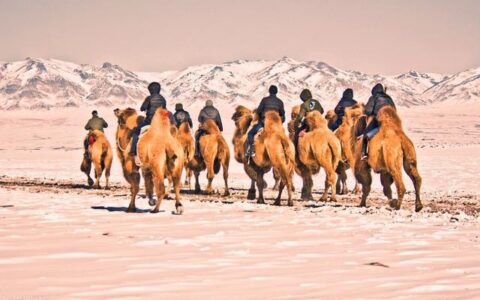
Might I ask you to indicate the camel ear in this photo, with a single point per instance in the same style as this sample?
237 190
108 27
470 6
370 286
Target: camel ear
116 111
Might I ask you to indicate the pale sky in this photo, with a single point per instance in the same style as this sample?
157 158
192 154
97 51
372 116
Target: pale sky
389 36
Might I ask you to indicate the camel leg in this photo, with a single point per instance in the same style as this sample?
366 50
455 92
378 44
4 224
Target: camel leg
98 174
356 189
276 176
397 178
412 172
252 191
210 175
252 174
159 186
225 178
364 177
169 187
198 190
329 183
188 176
86 167
290 189
148 181
176 187
134 180
386 180
278 200
307 185
260 187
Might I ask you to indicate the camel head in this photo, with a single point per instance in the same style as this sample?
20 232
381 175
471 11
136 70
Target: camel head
315 120
127 117
354 112
295 112
242 117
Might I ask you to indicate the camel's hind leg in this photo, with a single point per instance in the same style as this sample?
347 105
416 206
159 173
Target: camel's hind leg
364 177
134 180
329 183
176 187
260 187
397 178
277 179
386 180
210 175
225 177
188 177
252 174
86 167
198 190
98 173
147 178
159 186
341 187
412 171
278 200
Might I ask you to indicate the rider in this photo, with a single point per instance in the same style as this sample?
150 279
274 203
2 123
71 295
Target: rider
181 115
307 106
207 113
378 100
150 105
95 123
346 101
270 103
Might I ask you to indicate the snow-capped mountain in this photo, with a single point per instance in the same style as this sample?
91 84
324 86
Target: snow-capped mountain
460 87
47 83
42 83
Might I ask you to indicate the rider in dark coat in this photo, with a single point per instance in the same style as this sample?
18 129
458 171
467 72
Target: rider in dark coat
209 112
181 115
150 105
270 103
95 123
346 101
378 100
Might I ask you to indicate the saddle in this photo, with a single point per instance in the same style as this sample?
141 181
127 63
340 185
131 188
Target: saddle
143 130
91 139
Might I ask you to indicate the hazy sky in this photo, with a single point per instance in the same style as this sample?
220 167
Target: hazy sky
389 36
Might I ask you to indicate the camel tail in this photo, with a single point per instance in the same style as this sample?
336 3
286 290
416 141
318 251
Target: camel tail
288 150
409 154
335 148
104 155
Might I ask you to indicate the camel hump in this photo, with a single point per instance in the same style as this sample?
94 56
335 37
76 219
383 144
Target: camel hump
315 120
184 127
387 115
210 126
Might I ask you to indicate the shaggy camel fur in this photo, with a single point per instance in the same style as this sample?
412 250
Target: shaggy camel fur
128 120
100 153
319 148
214 154
388 150
347 161
161 156
272 149
184 136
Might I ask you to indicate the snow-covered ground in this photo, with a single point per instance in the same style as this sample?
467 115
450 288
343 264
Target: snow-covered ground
75 243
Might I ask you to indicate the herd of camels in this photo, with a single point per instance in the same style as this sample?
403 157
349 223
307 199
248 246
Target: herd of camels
166 151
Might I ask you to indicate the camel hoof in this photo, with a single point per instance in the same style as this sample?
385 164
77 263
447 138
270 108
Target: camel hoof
307 197
277 203
96 186
90 182
393 204
131 209
152 202
260 201
107 188
251 195
226 194
362 204
198 190
154 211
333 199
179 208
418 207
290 203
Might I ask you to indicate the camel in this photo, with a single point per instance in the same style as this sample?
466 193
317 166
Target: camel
214 154
128 120
347 161
100 154
388 150
184 136
161 156
319 148
272 148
